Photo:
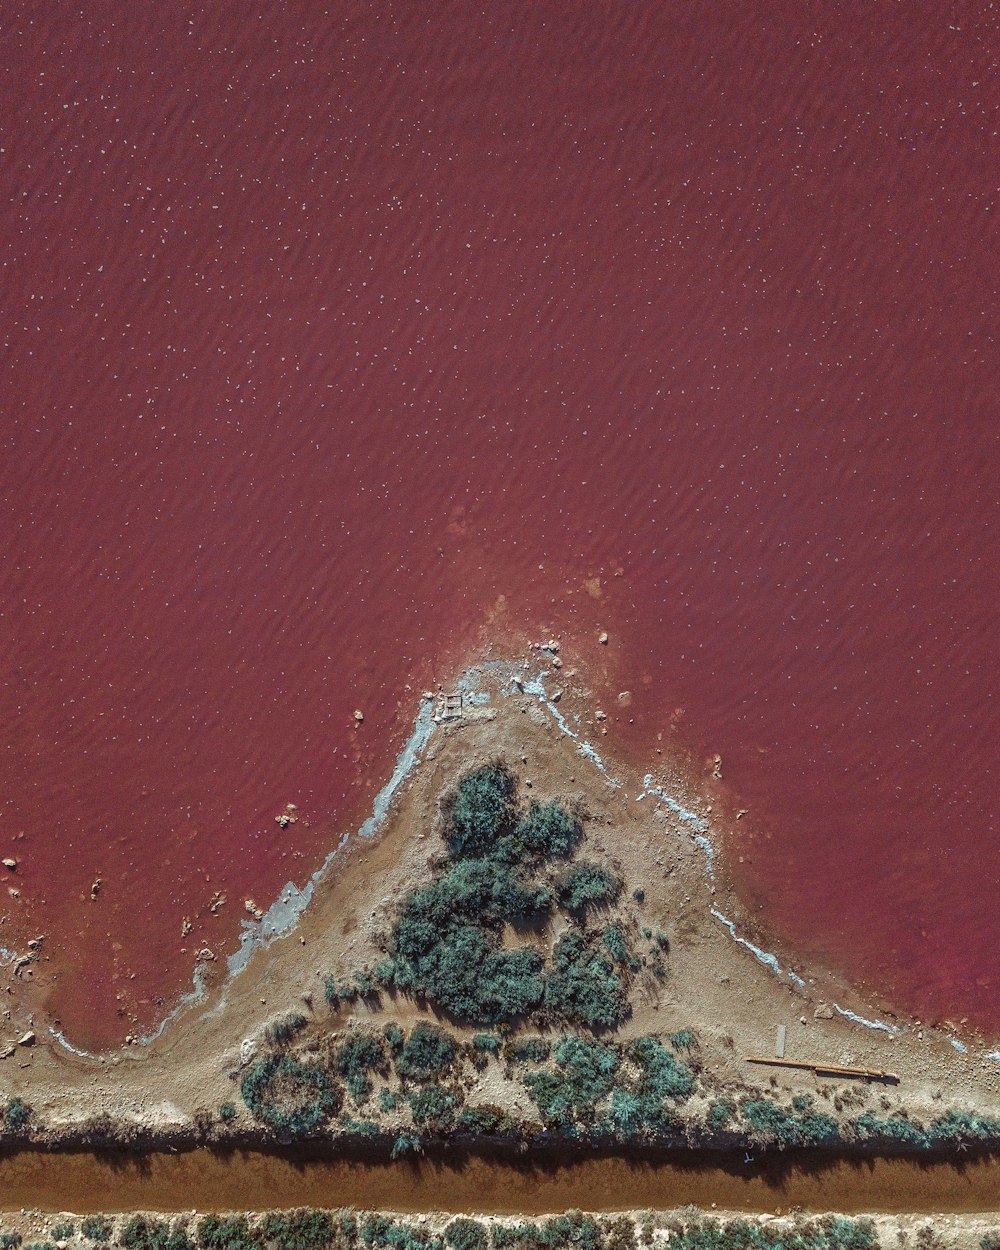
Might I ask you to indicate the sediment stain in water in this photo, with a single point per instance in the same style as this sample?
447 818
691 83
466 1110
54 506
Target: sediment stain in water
206 1180
338 341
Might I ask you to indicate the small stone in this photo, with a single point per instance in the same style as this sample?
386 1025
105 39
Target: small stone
28 1039
95 889
359 716
602 637
556 662
10 863
823 1012
599 715
13 892
556 696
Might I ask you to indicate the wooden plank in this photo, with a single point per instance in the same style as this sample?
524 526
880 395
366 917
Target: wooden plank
826 1069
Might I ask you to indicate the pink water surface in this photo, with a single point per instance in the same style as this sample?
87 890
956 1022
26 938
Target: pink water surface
339 340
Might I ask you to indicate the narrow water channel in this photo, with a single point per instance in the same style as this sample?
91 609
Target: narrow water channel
206 1180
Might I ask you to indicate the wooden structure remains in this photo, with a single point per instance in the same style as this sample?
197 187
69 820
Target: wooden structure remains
827 1069
449 707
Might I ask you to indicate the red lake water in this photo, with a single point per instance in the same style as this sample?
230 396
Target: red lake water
338 341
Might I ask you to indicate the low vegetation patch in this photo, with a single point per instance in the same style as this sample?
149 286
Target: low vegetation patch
289 1095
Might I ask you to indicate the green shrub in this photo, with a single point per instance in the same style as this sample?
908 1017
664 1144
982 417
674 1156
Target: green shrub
684 1040
96 1228
360 1054
486 1044
663 1075
583 986
965 1127
616 944
428 1052
483 1119
406 1144
218 1232
434 1106
720 1114
281 1032
894 1129
143 1233
775 1123
586 1073
574 1228
394 1035
587 885
17 1115
289 1095
832 1232
387 1100
466 1234
445 943
297 1230
481 810
9 1241
227 1112
63 1232
381 1231
530 1050
548 831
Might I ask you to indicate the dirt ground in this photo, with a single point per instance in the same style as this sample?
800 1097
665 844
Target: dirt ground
714 986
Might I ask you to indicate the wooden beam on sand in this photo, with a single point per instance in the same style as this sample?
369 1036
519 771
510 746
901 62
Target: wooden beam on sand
827 1069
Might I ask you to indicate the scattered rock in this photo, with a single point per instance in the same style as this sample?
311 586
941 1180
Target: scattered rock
13 892
7 1051
359 716
556 662
823 1012
599 715
717 768
27 1039
10 862
95 889
251 908
217 900
556 696
602 637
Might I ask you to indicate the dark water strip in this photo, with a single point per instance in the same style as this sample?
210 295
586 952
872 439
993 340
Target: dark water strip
207 1180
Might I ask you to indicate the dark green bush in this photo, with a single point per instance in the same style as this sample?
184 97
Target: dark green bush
617 944
428 1052
280 1032
143 1233
297 1230
227 1112
360 1054
406 1144
17 1115
547 831
387 1100
96 1228
290 1096
434 1106
775 1123
381 1231
720 1114
465 1234
218 1232
586 1073
583 986
486 1119
9 1241
587 885
684 1040
486 1044
481 810
894 1129
394 1035
829 1233
962 1126
529 1050
663 1074
63 1232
